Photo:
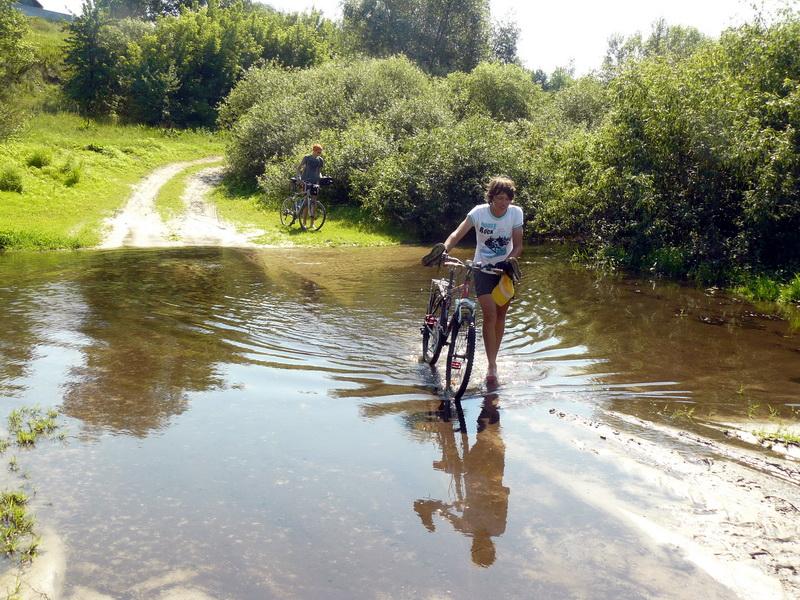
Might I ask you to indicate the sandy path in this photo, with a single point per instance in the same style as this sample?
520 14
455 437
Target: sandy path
139 225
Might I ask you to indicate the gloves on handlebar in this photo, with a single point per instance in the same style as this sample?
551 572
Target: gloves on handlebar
435 256
511 268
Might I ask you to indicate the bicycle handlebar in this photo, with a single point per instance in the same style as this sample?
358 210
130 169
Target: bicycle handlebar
452 261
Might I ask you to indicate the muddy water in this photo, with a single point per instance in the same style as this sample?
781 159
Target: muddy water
256 424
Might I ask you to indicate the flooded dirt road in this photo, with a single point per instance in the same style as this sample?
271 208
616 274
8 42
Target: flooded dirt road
255 423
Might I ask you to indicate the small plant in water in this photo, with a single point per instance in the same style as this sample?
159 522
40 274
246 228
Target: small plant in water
15 523
752 409
27 424
683 412
13 465
785 437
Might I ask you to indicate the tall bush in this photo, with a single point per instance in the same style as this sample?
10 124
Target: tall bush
431 183
273 111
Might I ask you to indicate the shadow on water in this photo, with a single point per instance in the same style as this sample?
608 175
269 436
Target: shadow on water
257 423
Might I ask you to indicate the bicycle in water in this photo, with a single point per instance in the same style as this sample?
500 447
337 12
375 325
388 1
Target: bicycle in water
303 207
450 321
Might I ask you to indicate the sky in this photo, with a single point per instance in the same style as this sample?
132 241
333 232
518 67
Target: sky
565 33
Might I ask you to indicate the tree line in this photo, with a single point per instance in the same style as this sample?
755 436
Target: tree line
680 155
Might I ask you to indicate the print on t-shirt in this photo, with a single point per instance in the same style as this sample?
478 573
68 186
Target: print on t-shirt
496 244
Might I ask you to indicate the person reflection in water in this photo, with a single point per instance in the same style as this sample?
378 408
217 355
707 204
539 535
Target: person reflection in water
481 505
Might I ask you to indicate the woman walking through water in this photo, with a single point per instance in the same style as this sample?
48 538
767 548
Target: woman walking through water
498 230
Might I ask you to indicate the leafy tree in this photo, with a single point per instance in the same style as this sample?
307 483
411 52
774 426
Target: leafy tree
674 41
94 82
504 92
440 35
504 41
177 70
560 78
15 59
147 9
15 55
584 102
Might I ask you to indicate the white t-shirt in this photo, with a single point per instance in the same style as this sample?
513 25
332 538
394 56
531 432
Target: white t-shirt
494 233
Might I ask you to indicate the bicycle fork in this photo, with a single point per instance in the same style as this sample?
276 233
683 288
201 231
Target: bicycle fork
464 313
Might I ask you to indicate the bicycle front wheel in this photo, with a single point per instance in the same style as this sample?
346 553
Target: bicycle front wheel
319 218
433 330
460 355
287 213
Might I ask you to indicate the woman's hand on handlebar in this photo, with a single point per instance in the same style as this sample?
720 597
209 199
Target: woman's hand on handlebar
436 255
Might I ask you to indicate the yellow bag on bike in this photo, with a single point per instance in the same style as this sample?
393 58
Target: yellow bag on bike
503 292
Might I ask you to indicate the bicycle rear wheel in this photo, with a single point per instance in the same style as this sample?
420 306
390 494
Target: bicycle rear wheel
433 329
319 218
460 355
287 213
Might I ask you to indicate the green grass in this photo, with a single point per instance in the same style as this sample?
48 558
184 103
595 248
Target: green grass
169 202
759 288
345 226
790 292
785 437
16 526
27 424
64 203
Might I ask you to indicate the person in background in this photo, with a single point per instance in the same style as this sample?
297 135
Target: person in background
309 171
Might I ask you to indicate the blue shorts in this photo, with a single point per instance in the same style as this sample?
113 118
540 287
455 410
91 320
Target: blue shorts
485 282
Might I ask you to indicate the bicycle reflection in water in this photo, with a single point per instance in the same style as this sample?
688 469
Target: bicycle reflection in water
478 503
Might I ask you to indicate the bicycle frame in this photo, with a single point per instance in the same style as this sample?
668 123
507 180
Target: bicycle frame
302 205
451 316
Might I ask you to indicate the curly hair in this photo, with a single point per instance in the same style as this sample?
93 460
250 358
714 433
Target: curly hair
500 185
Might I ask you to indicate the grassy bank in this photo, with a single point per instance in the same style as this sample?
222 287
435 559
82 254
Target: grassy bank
769 289
345 226
64 175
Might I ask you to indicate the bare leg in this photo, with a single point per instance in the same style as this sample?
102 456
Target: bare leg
493 327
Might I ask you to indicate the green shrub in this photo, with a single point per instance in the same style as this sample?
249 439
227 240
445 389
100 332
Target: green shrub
503 92
347 153
10 180
72 170
760 288
258 84
177 70
668 261
40 158
268 123
431 183
11 120
790 292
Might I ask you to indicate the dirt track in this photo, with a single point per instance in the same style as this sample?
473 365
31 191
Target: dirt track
139 224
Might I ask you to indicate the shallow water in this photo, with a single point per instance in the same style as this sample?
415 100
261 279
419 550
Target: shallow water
257 424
